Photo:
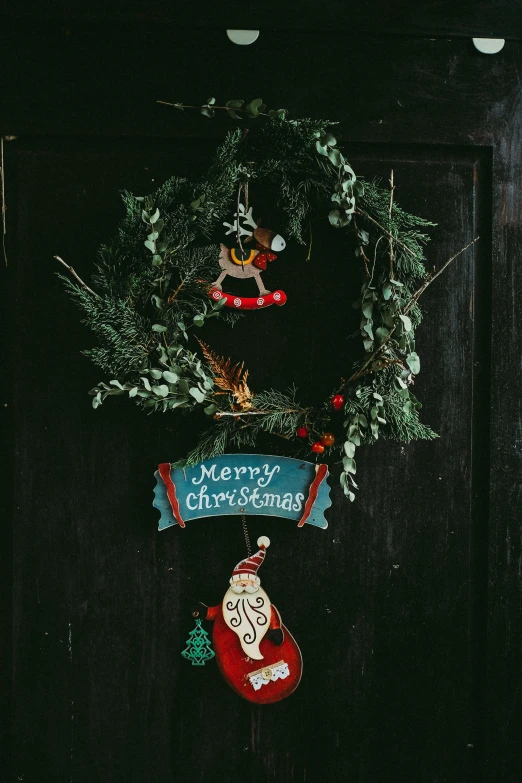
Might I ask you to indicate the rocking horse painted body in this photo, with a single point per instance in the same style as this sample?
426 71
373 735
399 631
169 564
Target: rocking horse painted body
242 263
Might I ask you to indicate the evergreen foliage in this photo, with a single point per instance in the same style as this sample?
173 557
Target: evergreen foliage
150 292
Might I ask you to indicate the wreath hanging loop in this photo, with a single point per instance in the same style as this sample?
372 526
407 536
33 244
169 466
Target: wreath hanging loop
151 288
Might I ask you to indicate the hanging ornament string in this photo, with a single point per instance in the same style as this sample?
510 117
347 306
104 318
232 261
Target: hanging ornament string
247 537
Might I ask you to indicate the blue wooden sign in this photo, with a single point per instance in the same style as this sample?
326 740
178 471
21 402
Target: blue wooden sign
252 484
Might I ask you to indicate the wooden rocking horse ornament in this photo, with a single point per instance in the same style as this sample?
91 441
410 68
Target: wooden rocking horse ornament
241 262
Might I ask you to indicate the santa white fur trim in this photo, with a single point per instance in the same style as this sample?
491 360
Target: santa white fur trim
263 541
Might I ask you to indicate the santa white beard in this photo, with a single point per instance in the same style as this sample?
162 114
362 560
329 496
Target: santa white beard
248 615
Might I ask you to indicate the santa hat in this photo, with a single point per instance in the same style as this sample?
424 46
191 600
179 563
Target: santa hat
247 569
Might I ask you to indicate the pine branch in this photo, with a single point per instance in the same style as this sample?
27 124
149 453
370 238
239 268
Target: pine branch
75 275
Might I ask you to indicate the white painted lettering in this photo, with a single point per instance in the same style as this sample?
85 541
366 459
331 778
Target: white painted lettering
287 501
268 473
206 473
189 496
254 496
243 496
225 474
254 472
239 471
230 497
218 498
203 497
298 502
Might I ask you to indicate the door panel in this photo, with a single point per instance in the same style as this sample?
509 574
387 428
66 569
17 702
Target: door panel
389 605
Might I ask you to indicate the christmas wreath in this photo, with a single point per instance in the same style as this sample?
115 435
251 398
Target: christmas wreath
152 285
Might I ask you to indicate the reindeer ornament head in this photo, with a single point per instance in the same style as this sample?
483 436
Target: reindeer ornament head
242 262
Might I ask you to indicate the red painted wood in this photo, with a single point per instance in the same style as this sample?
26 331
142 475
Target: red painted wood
321 471
236 667
164 471
249 302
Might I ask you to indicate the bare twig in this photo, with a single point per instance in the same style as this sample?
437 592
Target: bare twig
211 106
4 206
414 298
174 294
308 257
78 278
430 280
392 188
240 414
397 241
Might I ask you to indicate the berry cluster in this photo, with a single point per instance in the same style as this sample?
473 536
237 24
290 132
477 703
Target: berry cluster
327 439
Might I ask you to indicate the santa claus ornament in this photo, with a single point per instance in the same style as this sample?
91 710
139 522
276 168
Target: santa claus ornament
256 654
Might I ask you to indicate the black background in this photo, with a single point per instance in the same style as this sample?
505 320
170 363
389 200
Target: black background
407 608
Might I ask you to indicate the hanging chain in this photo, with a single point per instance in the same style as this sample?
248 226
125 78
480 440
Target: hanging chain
247 537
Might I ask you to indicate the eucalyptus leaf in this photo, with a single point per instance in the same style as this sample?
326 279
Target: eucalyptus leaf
349 448
197 394
322 150
349 465
406 322
367 308
159 328
413 362
335 157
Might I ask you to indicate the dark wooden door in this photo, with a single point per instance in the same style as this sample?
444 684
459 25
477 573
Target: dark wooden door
407 608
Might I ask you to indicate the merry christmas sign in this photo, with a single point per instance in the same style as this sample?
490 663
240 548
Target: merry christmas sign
235 484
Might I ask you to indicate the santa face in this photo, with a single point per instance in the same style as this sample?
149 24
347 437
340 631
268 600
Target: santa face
245 586
247 613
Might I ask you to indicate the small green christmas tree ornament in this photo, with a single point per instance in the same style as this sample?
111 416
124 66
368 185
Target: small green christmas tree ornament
198 649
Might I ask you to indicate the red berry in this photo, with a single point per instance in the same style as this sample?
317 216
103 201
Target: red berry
337 402
317 447
301 432
328 439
